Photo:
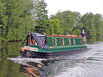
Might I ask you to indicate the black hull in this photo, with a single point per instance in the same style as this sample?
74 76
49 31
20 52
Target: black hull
32 54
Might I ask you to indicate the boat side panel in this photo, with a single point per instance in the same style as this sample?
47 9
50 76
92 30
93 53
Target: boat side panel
79 44
60 48
49 41
66 41
58 42
78 41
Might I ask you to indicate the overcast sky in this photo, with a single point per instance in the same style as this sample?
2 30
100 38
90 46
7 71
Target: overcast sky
81 6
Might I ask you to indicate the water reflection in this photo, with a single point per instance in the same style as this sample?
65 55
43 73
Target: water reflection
47 68
9 50
80 64
29 71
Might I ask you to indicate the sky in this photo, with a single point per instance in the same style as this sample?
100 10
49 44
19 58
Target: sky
81 6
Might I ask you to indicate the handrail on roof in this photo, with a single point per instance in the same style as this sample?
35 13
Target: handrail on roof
64 36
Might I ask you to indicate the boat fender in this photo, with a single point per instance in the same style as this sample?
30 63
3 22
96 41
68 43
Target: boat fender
22 49
50 47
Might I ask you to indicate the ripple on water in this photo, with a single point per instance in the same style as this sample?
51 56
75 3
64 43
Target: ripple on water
91 67
84 64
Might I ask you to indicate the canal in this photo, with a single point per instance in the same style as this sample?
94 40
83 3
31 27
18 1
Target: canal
88 63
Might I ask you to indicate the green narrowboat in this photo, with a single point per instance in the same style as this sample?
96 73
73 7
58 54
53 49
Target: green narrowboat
38 45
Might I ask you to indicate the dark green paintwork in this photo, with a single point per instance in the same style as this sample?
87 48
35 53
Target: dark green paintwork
77 40
79 44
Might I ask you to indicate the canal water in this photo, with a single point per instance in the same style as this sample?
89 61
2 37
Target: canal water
88 63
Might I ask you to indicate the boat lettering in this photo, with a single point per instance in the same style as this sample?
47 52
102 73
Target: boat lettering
30 48
35 49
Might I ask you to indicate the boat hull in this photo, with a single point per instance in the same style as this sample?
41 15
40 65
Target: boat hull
33 54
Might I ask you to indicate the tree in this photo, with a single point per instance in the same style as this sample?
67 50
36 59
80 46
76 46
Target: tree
18 19
99 25
54 27
41 17
89 20
67 20
77 32
3 21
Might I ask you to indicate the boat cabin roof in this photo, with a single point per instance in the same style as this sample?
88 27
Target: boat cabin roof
72 36
37 34
40 39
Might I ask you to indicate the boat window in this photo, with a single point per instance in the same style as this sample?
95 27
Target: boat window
43 41
74 41
54 40
31 40
69 42
28 40
62 41
81 41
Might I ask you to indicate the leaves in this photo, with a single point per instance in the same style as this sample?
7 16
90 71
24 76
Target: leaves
19 17
16 19
41 17
54 27
73 23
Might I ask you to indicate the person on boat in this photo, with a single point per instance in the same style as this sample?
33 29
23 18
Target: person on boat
33 42
83 33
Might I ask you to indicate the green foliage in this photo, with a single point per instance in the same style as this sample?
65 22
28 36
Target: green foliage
73 22
54 27
92 25
89 20
77 32
16 19
99 25
41 17
67 20
3 20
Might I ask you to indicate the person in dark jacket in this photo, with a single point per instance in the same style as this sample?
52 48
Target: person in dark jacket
83 33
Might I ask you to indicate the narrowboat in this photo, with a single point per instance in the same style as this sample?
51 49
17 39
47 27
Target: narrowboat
37 45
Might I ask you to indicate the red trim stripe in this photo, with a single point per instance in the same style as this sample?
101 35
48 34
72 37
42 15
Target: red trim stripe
64 36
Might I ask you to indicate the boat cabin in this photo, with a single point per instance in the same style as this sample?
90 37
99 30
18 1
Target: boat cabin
61 40
36 40
48 41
